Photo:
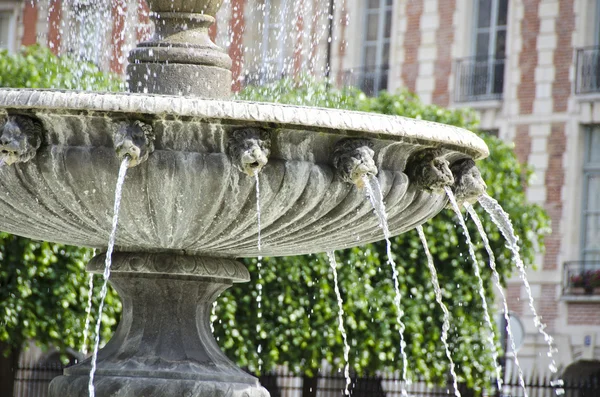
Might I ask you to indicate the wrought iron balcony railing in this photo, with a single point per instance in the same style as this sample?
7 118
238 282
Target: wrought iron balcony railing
370 80
581 278
587 78
479 79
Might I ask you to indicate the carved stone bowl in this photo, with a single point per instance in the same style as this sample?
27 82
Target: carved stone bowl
188 197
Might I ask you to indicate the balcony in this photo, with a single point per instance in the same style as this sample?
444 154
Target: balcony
479 79
370 79
581 279
587 79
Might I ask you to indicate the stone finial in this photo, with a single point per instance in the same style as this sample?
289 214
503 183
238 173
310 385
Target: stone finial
468 184
20 138
249 149
134 139
429 170
353 160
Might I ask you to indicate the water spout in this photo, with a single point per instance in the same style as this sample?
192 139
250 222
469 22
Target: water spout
135 140
353 160
468 184
20 138
429 170
249 150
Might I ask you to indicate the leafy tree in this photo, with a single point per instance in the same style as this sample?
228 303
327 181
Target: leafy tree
299 308
43 286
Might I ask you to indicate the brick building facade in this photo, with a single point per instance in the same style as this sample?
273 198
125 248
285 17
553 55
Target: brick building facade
530 68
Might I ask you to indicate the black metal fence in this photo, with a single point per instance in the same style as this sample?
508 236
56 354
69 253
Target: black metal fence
33 381
587 80
581 278
479 79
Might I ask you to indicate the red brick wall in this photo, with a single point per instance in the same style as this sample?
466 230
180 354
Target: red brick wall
528 58
412 41
30 17
513 298
563 55
118 11
236 50
142 31
54 18
583 314
548 306
522 143
443 64
555 178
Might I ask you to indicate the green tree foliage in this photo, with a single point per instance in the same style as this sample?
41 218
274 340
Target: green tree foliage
37 67
43 286
299 309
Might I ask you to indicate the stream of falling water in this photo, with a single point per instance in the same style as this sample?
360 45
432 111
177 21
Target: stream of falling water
500 288
376 198
502 220
333 264
107 265
486 311
438 298
259 286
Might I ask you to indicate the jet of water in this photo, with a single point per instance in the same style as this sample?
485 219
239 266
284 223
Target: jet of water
259 286
496 278
373 190
333 264
502 220
1 162
486 311
107 265
438 298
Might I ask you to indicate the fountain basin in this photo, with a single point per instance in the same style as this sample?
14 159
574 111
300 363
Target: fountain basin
189 198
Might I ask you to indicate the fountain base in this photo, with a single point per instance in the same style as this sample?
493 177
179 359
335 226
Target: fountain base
163 345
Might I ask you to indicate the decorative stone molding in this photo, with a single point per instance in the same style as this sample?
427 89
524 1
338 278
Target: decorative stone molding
134 139
20 138
353 160
429 170
468 184
148 263
249 149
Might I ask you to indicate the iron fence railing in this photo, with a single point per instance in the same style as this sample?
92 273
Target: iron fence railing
479 79
587 77
581 278
370 80
33 381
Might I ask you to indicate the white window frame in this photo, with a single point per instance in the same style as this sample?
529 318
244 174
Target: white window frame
379 42
589 170
11 40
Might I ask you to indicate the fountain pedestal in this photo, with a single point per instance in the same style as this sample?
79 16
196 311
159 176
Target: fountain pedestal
163 345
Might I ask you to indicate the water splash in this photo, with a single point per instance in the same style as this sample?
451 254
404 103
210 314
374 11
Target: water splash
107 265
373 190
88 313
500 288
213 317
333 264
502 220
481 289
259 286
438 298
1 163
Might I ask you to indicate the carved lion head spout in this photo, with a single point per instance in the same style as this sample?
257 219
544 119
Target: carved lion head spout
430 170
353 160
468 184
249 150
134 139
20 138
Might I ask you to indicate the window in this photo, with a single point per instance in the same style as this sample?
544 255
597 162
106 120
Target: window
373 77
590 241
587 79
7 28
481 76
273 48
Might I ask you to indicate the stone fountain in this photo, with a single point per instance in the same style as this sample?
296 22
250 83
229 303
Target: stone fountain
188 206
